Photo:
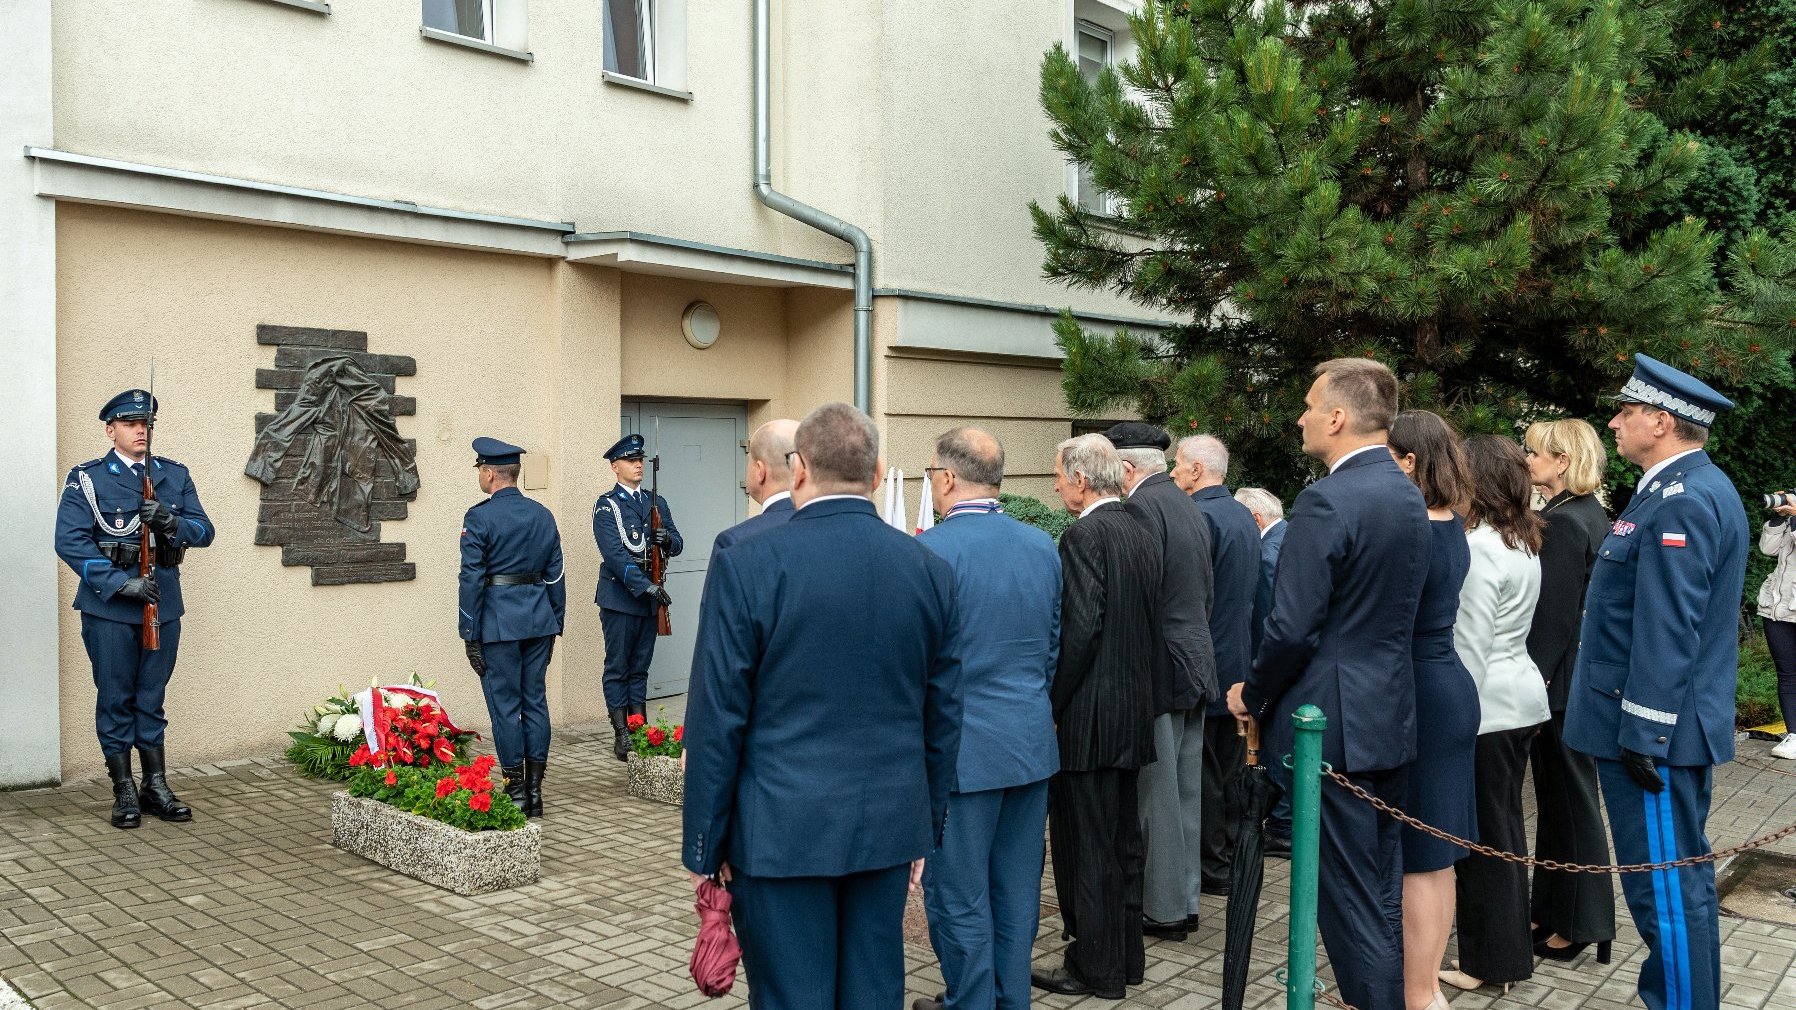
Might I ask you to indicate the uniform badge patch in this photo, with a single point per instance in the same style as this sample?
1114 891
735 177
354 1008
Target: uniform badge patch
1676 488
1655 487
1622 528
1671 540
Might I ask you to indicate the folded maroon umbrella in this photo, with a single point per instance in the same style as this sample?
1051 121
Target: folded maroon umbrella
716 953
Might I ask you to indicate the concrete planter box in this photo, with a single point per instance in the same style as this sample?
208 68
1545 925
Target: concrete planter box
657 779
466 862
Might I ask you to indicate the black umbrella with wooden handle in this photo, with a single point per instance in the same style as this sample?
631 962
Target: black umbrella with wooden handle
1251 792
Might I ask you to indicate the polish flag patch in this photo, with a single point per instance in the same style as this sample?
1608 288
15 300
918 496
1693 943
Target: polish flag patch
1671 540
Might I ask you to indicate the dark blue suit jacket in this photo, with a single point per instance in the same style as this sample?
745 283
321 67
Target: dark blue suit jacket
1235 560
1007 588
769 517
112 517
825 705
1270 544
620 525
509 534
1343 617
1659 652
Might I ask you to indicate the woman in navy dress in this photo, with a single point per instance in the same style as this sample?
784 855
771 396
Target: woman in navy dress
1440 780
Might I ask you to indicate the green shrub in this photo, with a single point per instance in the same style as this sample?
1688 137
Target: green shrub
1755 699
1035 512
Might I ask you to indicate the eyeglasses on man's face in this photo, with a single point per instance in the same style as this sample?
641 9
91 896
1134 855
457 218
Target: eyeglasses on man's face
929 472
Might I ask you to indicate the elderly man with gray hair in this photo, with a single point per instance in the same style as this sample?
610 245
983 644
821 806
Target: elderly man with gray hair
1103 703
982 887
1172 803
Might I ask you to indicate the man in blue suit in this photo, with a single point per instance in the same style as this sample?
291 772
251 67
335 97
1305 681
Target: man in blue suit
1269 515
99 524
1652 695
769 481
824 725
513 603
1343 610
982 888
627 598
1202 467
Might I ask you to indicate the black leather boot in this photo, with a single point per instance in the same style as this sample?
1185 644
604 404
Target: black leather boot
514 787
533 786
158 799
620 743
125 813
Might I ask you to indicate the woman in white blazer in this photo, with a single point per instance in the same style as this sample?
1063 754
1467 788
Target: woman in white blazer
1496 610
1777 608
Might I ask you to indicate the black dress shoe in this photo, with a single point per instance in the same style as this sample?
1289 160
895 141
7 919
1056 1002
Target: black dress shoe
1191 921
1064 982
1278 846
1569 953
1164 930
926 1004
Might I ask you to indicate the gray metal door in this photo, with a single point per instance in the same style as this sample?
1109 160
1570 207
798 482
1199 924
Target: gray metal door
702 470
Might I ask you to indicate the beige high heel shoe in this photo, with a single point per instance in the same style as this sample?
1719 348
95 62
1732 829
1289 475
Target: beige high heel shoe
1460 980
1440 1002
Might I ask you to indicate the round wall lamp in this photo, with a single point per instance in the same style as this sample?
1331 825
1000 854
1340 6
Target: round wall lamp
701 325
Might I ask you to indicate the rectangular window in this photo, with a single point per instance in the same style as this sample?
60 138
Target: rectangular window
471 18
1093 57
630 38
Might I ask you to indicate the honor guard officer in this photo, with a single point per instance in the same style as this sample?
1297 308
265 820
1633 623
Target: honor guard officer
99 534
626 597
513 604
1652 695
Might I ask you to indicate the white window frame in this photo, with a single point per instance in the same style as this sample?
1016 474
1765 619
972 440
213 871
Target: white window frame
1082 28
645 40
508 39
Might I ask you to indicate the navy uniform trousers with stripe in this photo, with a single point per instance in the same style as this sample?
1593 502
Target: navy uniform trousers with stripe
1675 910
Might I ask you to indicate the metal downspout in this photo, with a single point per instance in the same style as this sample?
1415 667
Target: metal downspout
820 220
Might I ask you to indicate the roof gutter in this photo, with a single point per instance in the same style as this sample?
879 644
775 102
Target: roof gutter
820 220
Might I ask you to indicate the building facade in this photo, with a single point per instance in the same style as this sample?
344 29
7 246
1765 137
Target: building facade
539 219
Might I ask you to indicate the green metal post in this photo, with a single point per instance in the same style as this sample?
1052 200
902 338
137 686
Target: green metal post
1306 840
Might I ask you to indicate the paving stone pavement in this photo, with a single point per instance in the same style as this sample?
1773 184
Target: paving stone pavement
250 906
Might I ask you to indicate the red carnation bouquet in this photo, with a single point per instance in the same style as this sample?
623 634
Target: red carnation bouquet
422 768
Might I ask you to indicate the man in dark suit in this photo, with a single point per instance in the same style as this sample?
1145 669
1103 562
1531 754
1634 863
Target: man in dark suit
1200 467
513 603
824 720
1343 611
1269 515
1185 678
769 481
1653 690
982 888
628 599
1103 700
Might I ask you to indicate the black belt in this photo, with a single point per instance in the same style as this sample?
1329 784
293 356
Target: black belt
530 579
125 554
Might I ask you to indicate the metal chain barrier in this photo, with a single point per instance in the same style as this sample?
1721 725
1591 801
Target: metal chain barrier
1757 767
1550 864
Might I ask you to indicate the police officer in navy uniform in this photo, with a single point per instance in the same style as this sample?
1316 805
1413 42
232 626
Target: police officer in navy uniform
513 604
1652 696
99 525
626 597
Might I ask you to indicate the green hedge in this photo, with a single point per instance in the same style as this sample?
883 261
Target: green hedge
1755 699
1050 520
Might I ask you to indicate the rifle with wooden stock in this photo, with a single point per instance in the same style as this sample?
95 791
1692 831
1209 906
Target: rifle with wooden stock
146 548
657 555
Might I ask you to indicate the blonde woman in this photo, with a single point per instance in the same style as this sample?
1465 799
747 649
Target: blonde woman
1570 911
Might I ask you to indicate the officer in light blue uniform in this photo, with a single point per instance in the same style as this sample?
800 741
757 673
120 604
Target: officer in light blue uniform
1652 696
626 597
99 534
513 604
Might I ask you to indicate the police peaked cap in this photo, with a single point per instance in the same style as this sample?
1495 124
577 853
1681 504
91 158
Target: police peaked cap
130 405
1656 384
1136 435
628 447
492 452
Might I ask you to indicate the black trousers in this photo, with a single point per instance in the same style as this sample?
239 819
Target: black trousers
1225 752
1578 906
1781 637
1095 825
1360 905
1494 943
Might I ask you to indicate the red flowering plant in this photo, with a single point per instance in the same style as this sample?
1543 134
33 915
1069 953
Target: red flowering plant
657 739
422 767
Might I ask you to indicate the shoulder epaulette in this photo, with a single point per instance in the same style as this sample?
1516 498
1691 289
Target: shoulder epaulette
164 459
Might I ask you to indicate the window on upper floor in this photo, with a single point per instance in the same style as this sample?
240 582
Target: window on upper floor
645 40
1094 54
499 23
